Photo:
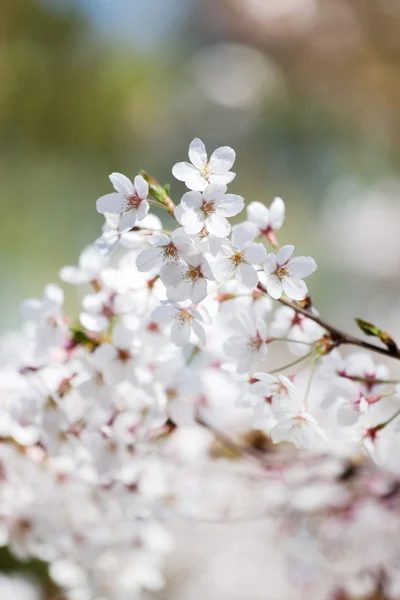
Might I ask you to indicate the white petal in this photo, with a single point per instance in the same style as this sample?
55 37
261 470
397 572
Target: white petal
199 331
277 213
141 187
199 291
121 184
91 259
230 205
128 219
164 313
222 159
142 210
122 337
255 253
172 273
198 153
73 275
284 254
217 225
243 233
294 288
110 203
192 221
270 264
247 275
274 287
222 178
180 332
214 191
196 181
302 266
183 170
192 200
149 258
53 295
258 214
222 270
180 292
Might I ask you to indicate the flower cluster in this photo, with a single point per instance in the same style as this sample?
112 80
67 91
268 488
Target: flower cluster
182 324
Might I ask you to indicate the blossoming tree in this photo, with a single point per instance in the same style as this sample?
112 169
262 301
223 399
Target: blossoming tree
113 421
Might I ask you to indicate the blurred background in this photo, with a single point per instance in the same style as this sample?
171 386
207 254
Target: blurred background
306 91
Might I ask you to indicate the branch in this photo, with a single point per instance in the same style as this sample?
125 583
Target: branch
338 337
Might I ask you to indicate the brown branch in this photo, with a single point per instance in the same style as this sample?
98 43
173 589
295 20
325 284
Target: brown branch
338 337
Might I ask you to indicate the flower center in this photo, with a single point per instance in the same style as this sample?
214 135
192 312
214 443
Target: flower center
237 258
134 200
208 207
123 355
282 271
170 251
206 171
194 273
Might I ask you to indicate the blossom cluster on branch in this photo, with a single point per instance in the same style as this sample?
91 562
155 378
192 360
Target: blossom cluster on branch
140 407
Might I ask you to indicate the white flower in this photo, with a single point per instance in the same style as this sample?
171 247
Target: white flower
116 360
200 171
163 250
249 345
47 316
130 200
91 262
187 282
267 220
285 274
301 429
183 321
237 258
208 210
278 390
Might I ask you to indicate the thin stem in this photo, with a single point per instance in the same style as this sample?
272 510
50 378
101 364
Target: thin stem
337 336
310 380
284 339
370 380
291 364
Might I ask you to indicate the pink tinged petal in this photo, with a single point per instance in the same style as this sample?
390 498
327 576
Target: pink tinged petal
192 200
274 287
199 331
302 266
172 273
284 254
222 159
277 213
198 153
294 288
73 275
142 210
93 322
121 184
219 178
217 225
110 203
270 264
198 291
180 332
128 220
149 259
141 187
247 275
255 253
243 233
258 214
183 170
192 221
230 205
164 314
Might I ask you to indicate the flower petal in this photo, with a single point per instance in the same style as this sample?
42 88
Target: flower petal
183 170
294 288
243 233
255 253
192 221
247 275
191 200
302 266
222 159
230 205
274 287
141 187
258 214
277 213
199 331
198 153
217 225
284 254
199 291
121 184
149 258
110 203
180 332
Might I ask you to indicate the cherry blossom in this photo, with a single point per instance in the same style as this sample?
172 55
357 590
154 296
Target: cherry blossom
183 321
202 171
129 200
285 274
267 220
